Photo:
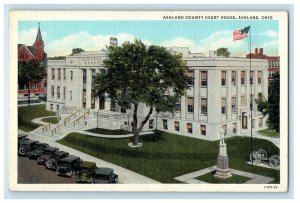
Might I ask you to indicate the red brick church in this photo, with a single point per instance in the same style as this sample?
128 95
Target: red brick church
34 52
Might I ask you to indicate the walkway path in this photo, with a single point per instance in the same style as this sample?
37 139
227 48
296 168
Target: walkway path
125 176
274 140
65 131
254 178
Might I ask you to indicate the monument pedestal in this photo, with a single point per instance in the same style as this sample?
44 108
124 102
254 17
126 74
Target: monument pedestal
223 171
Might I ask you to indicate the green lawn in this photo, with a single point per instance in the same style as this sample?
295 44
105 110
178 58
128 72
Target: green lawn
53 120
27 113
109 132
235 179
269 133
165 156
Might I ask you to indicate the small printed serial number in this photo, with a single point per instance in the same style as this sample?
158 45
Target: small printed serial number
271 187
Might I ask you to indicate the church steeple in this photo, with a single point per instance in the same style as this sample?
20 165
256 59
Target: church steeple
39 35
39 46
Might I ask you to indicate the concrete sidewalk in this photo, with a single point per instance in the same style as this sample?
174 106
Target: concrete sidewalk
125 176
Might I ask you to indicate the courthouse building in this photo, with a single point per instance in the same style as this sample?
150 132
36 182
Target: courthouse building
219 95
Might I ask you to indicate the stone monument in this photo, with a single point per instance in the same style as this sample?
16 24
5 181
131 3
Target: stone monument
223 171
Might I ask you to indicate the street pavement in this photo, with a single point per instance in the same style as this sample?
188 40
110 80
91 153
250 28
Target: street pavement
125 176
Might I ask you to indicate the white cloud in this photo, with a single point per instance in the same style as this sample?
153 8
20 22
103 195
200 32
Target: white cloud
271 47
269 33
28 36
223 39
86 41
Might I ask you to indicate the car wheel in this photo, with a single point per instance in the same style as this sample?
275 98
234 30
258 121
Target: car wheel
49 164
22 151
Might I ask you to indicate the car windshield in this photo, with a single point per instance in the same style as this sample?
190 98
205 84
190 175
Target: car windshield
102 177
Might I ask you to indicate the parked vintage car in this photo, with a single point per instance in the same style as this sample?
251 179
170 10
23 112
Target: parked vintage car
51 161
86 172
68 166
39 149
22 138
35 154
105 175
26 146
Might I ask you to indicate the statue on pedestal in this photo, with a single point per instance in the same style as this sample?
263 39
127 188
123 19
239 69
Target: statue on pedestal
223 171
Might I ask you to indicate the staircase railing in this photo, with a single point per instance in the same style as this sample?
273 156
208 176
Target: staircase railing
83 116
46 127
57 128
69 117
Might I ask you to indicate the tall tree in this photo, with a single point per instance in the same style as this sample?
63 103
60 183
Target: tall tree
136 74
30 72
76 51
223 52
272 105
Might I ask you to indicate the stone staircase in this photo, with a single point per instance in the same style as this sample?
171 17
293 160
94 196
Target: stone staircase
72 122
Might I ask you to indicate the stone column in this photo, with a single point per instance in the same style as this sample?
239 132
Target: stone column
88 88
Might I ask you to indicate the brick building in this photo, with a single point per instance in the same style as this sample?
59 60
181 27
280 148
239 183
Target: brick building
274 61
34 52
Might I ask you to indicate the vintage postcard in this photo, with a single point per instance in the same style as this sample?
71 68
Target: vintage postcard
158 101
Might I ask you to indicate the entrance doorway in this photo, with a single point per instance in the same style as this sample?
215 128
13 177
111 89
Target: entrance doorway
244 120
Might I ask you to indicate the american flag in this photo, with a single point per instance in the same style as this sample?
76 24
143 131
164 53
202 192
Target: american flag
240 34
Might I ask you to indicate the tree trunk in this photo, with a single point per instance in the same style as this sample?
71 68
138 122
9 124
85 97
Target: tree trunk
28 102
135 129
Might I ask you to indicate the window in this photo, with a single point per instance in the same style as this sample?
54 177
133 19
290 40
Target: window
36 85
243 101
176 126
189 128
151 121
165 124
253 123
52 91
58 74
58 92
64 92
251 77
64 72
203 106
203 78
223 105
203 130
84 76
223 78
259 77
234 128
177 105
52 74
233 104
243 77
57 107
190 104
71 96
71 75
233 77
261 122
190 74
225 129
93 76
113 105
51 107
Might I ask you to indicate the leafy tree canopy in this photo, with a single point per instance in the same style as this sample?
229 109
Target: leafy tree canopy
223 52
136 74
57 58
30 72
272 105
76 51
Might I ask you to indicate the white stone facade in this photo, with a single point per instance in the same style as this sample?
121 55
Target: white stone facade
218 96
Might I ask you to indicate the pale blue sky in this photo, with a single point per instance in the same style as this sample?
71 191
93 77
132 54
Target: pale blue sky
201 36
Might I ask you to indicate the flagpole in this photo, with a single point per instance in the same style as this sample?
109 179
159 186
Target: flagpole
251 95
